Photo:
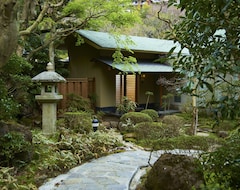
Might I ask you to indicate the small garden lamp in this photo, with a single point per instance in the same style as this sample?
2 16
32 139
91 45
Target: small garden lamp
95 124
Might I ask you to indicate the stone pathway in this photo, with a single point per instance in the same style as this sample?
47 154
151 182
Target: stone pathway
112 172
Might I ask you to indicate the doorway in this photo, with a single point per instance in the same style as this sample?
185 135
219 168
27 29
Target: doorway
125 86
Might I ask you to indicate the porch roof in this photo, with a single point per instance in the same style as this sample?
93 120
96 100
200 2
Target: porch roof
105 40
142 66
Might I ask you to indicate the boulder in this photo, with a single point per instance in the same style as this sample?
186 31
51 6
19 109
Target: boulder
222 134
174 172
20 151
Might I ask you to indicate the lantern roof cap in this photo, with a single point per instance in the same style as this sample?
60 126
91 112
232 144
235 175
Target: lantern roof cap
49 76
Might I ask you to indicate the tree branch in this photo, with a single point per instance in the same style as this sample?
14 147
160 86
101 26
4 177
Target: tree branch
227 81
36 23
64 33
57 4
168 21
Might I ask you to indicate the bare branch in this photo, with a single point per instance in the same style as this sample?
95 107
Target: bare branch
168 21
228 82
171 84
35 24
63 33
57 4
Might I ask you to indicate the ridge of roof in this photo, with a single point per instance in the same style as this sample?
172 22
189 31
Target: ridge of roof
107 41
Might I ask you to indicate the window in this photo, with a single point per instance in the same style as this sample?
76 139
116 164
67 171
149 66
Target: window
177 99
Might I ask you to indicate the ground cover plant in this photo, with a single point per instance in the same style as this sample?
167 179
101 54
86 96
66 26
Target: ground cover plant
55 155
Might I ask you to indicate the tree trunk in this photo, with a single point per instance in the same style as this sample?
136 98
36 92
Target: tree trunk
8 30
26 15
52 47
195 116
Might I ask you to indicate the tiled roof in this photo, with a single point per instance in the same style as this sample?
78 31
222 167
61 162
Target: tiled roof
142 66
141 44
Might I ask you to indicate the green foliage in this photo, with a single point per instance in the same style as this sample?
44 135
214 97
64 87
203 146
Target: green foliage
185 142
153 131
129 121
152 113
167 101
79 122
57 154
15 83
102 12
119 58
46 24
9 107
135 117
11 144
223 165
126 105
210 31
77 103
63 18
9 182
173 120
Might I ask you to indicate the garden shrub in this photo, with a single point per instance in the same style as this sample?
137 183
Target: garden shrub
152 113
15 88
79 122
135 117
173 120
153 131
130 119
223 165
187 142
173 123
227 125
126 105
89 146
77 103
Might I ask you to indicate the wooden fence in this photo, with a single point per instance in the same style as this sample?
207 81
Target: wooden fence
80 86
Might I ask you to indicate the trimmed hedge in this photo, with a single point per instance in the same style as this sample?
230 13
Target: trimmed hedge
187 142
154 131
152 113
135 117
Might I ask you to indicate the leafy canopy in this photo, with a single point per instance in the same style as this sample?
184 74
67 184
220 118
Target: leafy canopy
118 12
210 30
52 21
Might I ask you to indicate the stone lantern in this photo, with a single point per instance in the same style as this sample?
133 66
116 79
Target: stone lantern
49 97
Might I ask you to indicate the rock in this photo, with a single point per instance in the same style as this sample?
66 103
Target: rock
222 134
18 154
171 172
14 127
110 124
129 135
